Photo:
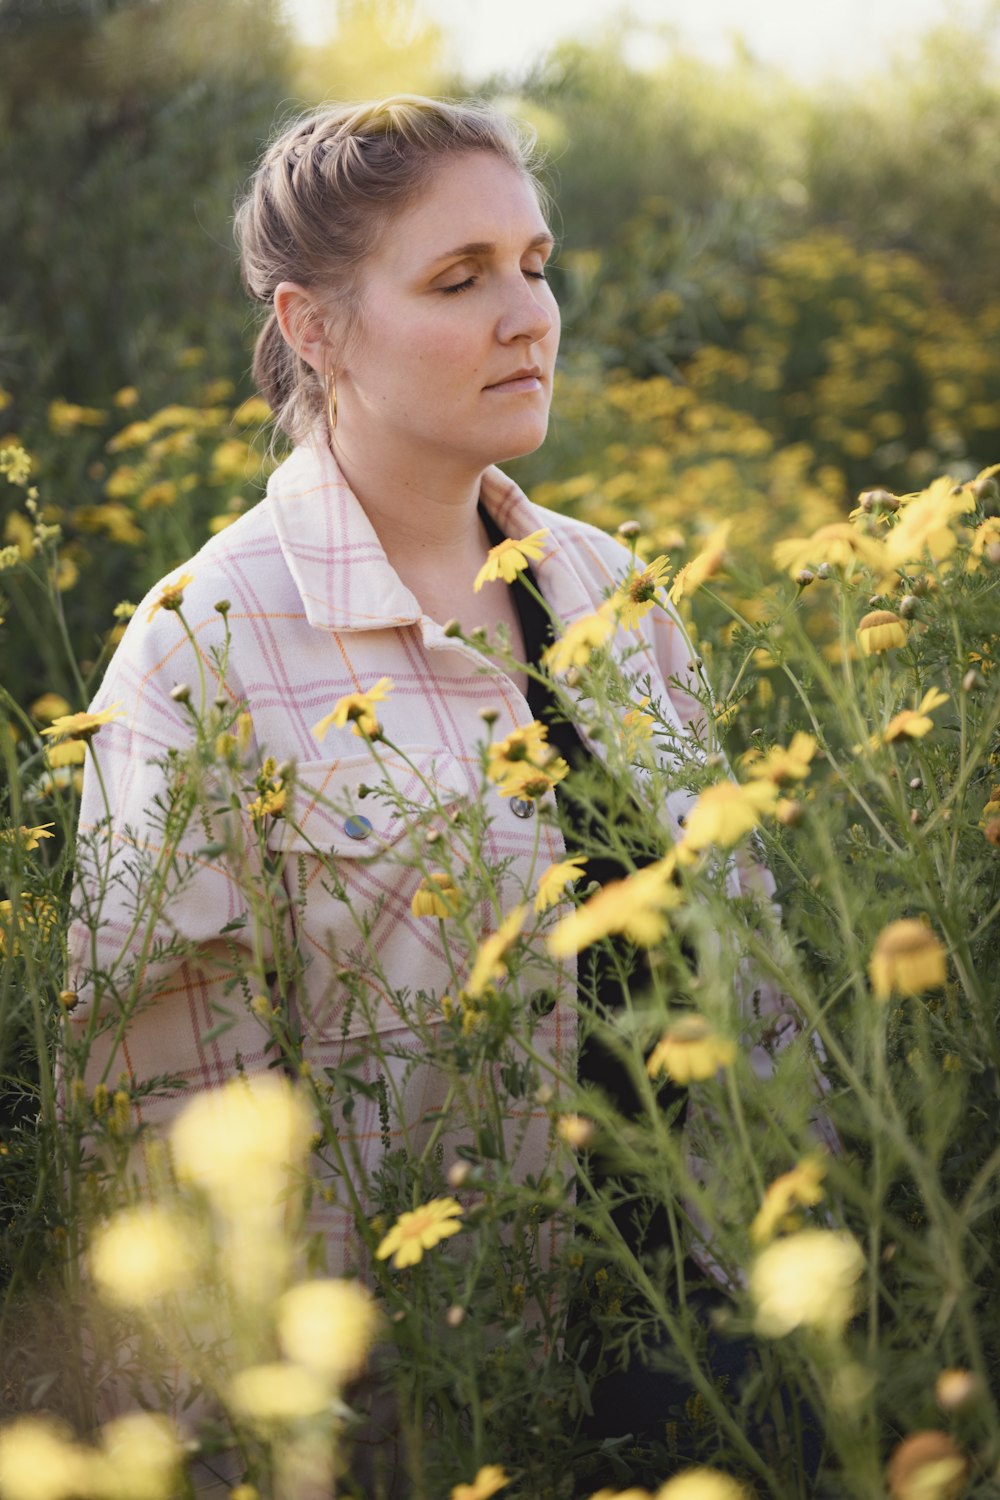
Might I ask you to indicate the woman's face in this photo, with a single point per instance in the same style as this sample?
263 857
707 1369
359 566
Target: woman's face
459 330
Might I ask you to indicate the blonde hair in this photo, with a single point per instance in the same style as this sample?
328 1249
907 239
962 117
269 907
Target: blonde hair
321 198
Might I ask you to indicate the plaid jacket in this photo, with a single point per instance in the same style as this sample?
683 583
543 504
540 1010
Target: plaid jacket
316 612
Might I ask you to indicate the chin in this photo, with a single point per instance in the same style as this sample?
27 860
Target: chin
519 445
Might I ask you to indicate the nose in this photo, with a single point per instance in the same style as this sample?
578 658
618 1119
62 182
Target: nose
529 312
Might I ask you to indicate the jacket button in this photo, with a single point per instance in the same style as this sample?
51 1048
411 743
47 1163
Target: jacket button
357 827
522 807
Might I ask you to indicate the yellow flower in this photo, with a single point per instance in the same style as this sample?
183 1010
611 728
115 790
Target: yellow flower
125 397
171 596
553 881
436 896
524 764
634 907
908 958
327 1326
251 1130
701 1484
805 1281
69 753
782 766
576 645
15 463
49 706
637 728
28 838
140 1457
881 630
702 567
489 963
724 813
927 1466
85 725
270 803
142 1255
911 723
925 526
487 1482
64 416
840 545
35 918
636 596
356 709
508 558
690 1051
987 534
419 1230
576 1130
799 1188
278 1393
253 412
40 1461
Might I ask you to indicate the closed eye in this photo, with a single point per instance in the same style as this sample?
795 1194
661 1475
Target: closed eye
463 286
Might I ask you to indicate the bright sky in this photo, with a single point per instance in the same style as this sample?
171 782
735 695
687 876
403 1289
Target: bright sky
811 39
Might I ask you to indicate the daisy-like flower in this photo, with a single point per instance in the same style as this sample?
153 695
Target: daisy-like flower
927 1466
925 525
799 1188
576 1130
35 918
806 1281
724 813
840 545
908 958
701 1484
28 838
689 1051
987 534
523 764
357 709
911 723
634 598
881 630
270 803
328 1326
69 753
419 1230
553 881
508 558
49 706
576 646
703 566
634 907
780 765
489 1481
82 726
436 896
171 596
489 962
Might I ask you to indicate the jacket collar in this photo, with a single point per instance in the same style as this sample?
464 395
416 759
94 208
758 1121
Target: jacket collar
339 565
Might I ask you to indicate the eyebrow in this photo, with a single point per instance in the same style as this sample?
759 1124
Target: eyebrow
488 247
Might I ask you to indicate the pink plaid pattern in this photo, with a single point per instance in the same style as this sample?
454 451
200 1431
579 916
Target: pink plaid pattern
317 612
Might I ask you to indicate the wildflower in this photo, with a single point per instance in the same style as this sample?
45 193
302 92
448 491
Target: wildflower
141 1256
701 1484
35 918
839 545
782 766
126 397
799 1188
253 412
553 881
927 1466
15 463
985 536
10 557
419 1230
881 630
28 838
64 416
634 907
925 525
634 598
702 567
83 726
271 801
508 558
171 596
954 1389
327 1326
40 1461
358 710
69 753
908 959
576 646
689 1051
523 764
162 493
805 1281
911 723
724 813
489 962
141 1456
435 896
278 1393
576 1130
253 1129
488 1481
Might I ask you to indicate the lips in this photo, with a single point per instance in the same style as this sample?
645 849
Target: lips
526 378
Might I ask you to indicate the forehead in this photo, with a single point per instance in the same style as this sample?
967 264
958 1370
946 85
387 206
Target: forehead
472 198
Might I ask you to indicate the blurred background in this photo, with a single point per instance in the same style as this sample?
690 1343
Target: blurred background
779 232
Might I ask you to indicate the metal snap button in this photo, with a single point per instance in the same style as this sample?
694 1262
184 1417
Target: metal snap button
522 807
357 827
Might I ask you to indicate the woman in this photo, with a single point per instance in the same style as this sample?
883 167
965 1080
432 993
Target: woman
410 346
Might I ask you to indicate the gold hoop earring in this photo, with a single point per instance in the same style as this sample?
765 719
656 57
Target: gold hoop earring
331 401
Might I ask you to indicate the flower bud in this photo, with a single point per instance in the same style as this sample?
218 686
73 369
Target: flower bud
69 999
872 500
955 1388
927 1466
908 606
489 715
973 681
181 693
805 577
222 607
458 1174
452 628
629 529
455 1316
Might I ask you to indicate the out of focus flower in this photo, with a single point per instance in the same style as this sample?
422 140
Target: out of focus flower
139 1459
908 958
927 1466
328 1326
576 1130
171 596
40 1461
435 896
924 525
780 765
911 723
689 1051
701 1484
523 764
489 1481
985 536
65 417
282 1394
69 753
83 726
806 1281
27 838
723 814
489 964
579 641
954 1389
508 558
252 1131
634 907
33 918
356 709
141 1256
553 881
48 707
703 566
418 1230
802 1187
839 545
634 598
881 630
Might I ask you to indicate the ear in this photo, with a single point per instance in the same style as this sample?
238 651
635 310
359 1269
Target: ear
301 324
